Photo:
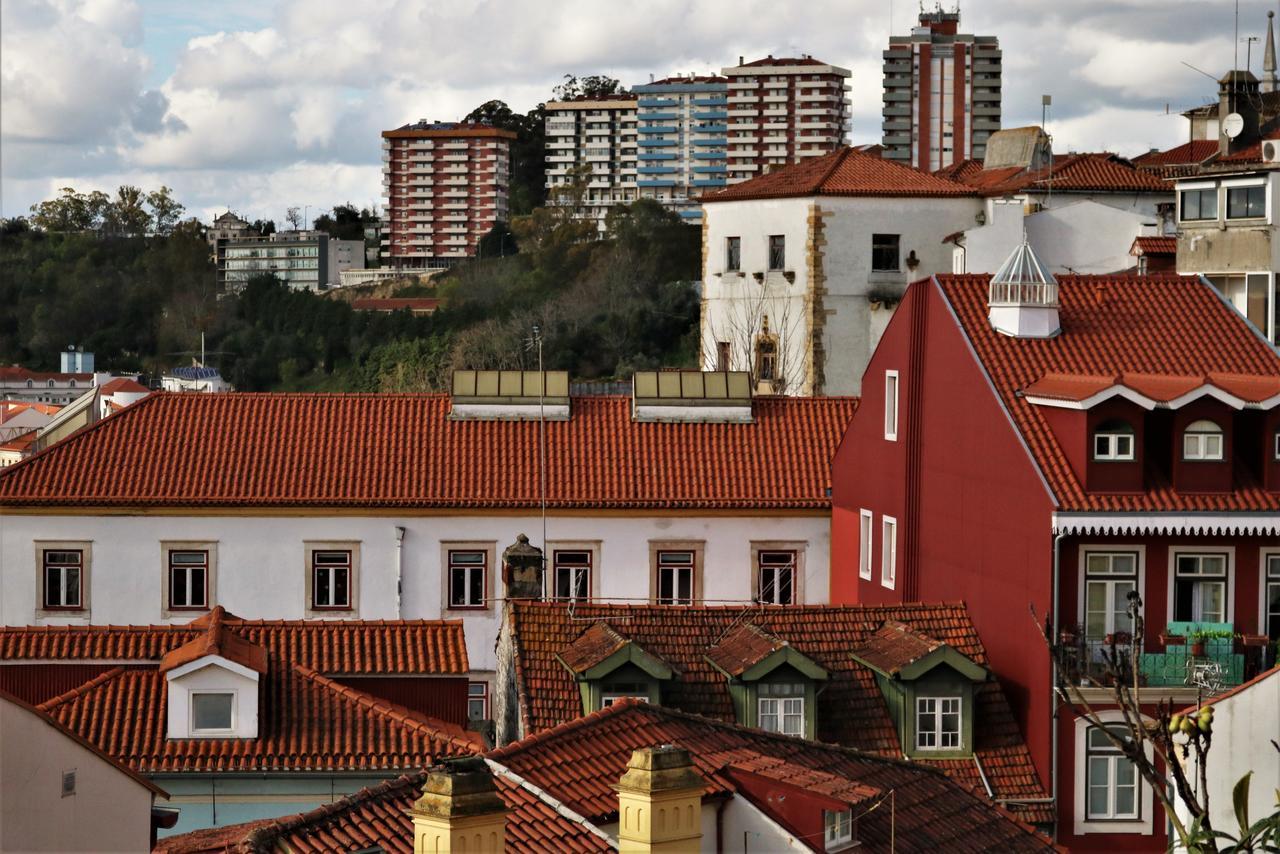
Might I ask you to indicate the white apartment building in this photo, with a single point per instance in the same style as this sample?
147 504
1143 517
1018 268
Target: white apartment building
598 134
782 111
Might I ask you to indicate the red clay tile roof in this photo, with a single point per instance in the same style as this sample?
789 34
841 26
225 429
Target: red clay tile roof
743 647
395 303
1100 172
383 451
21 442
594 646
123 384
1162 325
216 639
1154 246
852 710
770 61
17 373
378 816
843 172
580 761
895 645
1194 152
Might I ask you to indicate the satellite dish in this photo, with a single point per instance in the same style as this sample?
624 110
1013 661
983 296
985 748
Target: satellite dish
1232 125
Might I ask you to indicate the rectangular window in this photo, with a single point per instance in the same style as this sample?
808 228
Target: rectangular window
781 708
188 580
891 406
331 580
937 723
1113 445
777 571
1109 578
889 552
1111 780
884 253
675 577
63 573
766 358
467 572
571 571
477 701
1246 202
732 254
1200 588
838 828
777 252
866 521
724 355
1271 611
1200 204
212 712
615 691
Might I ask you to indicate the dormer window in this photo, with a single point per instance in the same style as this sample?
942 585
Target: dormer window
838 828
213 713
772 684
1203 441
212 683
781 708
1114 442
938 723
609 667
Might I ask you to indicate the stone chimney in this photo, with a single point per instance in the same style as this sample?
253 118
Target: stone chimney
460 810
522 569
1238 93
660 803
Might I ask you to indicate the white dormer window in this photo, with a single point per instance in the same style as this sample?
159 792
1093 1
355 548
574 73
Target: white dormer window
1203 441
213 713
212 697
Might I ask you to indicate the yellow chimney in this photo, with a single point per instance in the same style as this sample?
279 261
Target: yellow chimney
660 803
459 811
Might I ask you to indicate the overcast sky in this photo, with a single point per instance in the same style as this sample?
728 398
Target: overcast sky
258 105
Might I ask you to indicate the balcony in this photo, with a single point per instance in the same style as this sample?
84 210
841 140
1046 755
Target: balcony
718 101
657 102
659 129
657 117
711 115
1214 664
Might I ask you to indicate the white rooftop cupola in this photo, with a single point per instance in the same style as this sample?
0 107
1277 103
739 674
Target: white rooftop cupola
1023 299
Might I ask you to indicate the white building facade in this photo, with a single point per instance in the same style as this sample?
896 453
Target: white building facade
597 135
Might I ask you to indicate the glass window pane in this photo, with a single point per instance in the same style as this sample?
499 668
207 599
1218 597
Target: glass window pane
178 586
458 585
71 589
53 586
341 593
322 590
211 711
476 588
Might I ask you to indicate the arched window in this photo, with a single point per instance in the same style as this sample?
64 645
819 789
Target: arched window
28 383
1202 441
50 383
73 383
1113 441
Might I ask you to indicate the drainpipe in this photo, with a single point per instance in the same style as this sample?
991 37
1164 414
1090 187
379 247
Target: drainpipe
1053 690
400 572
724 802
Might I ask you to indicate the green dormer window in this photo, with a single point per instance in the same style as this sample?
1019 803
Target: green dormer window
609 667
772 684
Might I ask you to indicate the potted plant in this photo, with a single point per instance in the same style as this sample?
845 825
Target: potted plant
1254 640
1168 638
1200 636
1069 636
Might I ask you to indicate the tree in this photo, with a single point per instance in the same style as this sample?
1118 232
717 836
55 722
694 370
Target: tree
126 216
293 216
263 227
345 222
165 210
497 242
591 86
527 187
69 211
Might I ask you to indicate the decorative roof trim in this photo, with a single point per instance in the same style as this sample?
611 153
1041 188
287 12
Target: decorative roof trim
1094 399
1246 524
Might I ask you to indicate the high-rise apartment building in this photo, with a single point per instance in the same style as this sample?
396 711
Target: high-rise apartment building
941 93
683 141
782 111
444 186
596 134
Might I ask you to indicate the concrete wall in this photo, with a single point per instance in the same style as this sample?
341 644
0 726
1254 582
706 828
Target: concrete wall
109 811
734 304
261 567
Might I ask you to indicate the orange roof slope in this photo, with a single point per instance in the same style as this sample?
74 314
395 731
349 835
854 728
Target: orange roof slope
399 451
1154 246
843 172
894 646
1165 326
852 710
579 762
743 648
1097 172
123 384
216 639
1193 152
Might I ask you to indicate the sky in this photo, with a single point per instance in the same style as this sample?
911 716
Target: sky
257 106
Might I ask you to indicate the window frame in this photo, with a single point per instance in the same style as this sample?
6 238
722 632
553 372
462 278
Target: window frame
889 552
82 611
733 254
766 352
1201 454
883 248
939 710
758 570
483 568
1080 823
579 570
1248 190
1200 192
64 568
891 413
195 732
1227 553
1113 757
1113 431
169 566
482 697
312 548
332 569
656 549
770 246
631 692
1267 579
1137 552
866 544
837 828
780 694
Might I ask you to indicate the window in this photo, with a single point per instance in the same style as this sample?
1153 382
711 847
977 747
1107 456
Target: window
1200 588
777 571
571 571
1276 443
884 253
1109 579
1246 202
724 355
781 708
330 580
675 577
891 405
889 552
1113 442
766 358
477 701
615 691
188 580
732 254
937 723
68 783
838 827
212 712
1271 600
866 519
1200 204
467 572
777 252
63 572
1111 780
1202 441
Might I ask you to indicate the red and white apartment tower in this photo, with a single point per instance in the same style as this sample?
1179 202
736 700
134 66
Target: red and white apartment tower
783 111
444 185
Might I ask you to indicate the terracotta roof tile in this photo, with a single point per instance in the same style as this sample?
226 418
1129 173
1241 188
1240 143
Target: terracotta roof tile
580 761
852 711
1194 152
1162 326
1096 172
843 172
894 646
216 639
743 647
770 61
284 450
594 646
1154 246
123 384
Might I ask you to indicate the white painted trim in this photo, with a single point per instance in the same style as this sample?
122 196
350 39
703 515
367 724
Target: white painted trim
679 413
1093 400
866 545
503 771
1195 185
1082 553
1080 823
892 436
1244 182
211 661
1206 390
1263 555
1230 579
892 544
1126 524
230 732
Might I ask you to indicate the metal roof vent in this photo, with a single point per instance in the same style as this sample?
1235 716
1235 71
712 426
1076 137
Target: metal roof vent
1023 297
692 396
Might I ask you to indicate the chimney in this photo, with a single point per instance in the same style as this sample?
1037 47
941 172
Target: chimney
522 569
1023 298
1238 94
660 803
460 810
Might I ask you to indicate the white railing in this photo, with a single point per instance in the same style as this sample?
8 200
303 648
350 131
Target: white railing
1024 293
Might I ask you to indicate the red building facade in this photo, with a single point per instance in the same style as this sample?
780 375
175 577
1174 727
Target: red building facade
1138 448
